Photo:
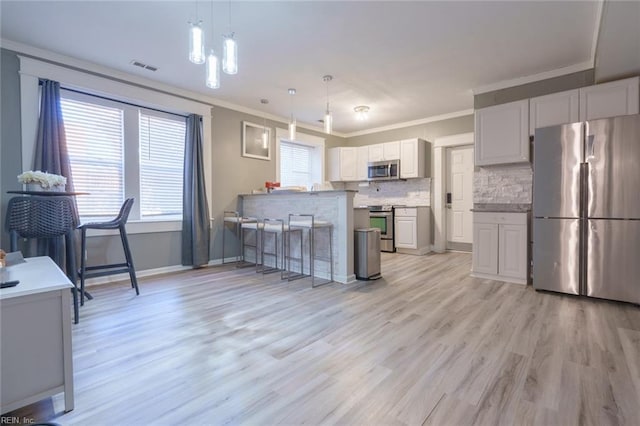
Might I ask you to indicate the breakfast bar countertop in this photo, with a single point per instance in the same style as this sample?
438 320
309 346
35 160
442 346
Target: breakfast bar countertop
287 192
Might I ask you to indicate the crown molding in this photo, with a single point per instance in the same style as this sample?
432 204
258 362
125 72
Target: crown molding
123 77
411 123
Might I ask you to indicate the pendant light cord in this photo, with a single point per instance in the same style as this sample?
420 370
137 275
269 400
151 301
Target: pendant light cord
212 36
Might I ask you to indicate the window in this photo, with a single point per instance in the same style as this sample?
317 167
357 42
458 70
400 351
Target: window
295 164
161 165
119 150
299 162
95 141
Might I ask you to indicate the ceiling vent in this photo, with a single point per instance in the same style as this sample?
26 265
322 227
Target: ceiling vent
143 65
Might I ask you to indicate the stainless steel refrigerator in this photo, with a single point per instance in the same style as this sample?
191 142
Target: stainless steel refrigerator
586 208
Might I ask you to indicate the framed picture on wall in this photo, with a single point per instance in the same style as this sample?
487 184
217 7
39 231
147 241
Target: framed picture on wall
256 141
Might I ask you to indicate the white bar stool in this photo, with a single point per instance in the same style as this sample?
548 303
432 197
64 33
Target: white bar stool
277 229
234 219
308 221
255 229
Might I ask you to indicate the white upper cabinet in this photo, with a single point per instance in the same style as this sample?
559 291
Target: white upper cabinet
620 97
414 158
362 162
351 163
342 164
391 150
554 109
376 152
384 151
502 134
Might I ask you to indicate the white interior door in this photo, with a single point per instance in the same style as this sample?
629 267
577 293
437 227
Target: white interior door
459 172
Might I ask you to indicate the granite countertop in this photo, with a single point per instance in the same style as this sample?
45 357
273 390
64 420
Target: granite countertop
502 208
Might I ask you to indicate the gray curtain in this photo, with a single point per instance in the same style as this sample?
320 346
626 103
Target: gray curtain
51 154
195 210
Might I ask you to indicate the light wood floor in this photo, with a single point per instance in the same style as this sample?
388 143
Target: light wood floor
425 345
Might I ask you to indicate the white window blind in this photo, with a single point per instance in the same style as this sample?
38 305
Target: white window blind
161 165
95 140
295 164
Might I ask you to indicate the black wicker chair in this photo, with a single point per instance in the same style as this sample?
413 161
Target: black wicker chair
49 219
115 268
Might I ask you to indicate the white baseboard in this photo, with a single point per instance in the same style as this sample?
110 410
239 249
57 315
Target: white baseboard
343 279
499 278
417 252
139 274
149 272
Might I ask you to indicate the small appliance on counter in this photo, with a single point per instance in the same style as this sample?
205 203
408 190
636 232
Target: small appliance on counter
271 185
367 253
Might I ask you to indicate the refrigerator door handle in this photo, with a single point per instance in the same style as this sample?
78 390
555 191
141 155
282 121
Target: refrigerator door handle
590 147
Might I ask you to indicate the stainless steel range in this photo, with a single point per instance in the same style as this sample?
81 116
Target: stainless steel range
381 217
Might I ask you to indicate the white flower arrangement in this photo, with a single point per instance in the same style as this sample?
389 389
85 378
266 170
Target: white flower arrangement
45 180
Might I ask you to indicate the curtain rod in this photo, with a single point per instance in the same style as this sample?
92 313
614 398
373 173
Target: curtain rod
119 101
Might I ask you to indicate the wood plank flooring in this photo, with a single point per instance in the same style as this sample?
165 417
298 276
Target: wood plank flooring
427 344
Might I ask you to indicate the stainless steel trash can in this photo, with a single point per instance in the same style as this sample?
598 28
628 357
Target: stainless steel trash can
367 253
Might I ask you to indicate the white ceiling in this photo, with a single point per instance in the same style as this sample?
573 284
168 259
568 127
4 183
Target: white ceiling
406 60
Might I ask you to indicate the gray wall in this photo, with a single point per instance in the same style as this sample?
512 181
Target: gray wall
10 134
537 88
428 131
232 174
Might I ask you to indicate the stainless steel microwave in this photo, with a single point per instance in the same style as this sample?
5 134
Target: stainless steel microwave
384 170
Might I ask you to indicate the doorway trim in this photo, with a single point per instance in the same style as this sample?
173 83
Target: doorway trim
439 181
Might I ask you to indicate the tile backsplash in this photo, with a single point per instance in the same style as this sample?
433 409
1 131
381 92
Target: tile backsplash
410 192
510 184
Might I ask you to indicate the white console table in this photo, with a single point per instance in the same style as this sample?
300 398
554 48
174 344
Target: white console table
36 359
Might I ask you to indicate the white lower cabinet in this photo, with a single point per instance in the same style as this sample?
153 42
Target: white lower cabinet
485 248
406 232
412 230
500 246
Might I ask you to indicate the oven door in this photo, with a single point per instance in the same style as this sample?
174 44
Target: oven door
384 222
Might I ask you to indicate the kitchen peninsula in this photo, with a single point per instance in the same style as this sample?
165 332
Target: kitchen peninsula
335 207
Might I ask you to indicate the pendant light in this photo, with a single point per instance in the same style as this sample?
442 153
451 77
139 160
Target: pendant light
328 119
265 132
292 121
213 64
230 52
230 58
196 41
